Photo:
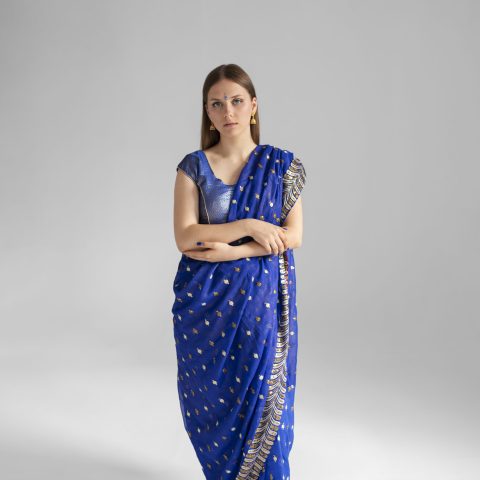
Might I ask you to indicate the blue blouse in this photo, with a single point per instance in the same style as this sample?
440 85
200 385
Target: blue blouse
213 195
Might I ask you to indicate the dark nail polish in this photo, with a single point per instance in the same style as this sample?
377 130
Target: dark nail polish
199 243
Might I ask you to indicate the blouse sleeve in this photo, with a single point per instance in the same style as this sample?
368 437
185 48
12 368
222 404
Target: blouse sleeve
189 166
294 178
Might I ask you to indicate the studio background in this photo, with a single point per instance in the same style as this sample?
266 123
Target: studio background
100 100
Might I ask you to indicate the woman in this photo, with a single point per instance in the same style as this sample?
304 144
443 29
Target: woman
234 312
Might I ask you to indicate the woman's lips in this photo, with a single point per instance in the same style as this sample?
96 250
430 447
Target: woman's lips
230 124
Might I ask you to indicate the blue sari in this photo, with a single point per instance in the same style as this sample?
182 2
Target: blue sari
235 329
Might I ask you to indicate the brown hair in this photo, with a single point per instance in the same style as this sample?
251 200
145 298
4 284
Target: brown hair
233 72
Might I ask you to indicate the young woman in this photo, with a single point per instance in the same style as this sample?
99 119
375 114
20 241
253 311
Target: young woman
237 219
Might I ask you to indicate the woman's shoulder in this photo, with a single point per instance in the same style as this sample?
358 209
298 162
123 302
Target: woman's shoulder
190 165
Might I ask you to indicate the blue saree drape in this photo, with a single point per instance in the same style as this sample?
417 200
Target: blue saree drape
235 329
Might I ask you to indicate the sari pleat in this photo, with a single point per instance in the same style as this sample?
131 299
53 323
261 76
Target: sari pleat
235 329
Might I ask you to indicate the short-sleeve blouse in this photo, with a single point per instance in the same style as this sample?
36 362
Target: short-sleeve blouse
214 196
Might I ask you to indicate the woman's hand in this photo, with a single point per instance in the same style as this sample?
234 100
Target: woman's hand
272 237
214 252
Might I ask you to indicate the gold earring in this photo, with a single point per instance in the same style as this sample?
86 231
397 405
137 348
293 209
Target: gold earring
252 120
212 127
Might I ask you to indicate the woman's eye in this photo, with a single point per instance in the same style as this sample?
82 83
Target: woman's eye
214 104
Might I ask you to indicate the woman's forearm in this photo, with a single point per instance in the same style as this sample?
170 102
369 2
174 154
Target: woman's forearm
250 249
254 249
220 232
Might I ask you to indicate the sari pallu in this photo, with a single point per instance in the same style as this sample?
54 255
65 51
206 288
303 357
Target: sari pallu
235 333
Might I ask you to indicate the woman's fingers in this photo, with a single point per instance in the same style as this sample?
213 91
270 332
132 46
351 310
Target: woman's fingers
274 244
275 241
282 240
265 245
275 249
281 247
207 244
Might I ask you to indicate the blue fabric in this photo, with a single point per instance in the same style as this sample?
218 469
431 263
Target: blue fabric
213 195
235 330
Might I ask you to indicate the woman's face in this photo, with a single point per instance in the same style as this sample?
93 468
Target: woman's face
236 108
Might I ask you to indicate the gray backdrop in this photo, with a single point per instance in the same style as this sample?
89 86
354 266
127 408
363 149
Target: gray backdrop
100 100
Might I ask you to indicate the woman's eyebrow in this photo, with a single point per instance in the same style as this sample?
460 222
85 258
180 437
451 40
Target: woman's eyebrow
233 96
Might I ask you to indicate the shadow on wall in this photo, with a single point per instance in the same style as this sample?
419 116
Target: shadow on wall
37 462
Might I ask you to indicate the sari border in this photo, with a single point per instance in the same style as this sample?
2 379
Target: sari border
293 183
253 464
265 435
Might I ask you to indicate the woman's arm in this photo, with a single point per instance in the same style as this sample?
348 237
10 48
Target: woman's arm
186 216
188 231
221 232
249 249
294 224
294 233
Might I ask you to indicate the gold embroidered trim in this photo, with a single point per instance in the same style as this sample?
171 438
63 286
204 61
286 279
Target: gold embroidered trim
266 433
293 183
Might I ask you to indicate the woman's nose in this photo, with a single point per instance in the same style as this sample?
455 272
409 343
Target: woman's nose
228 109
